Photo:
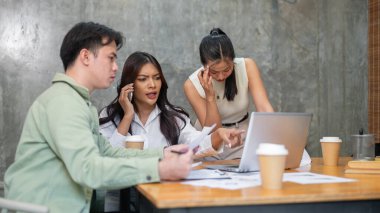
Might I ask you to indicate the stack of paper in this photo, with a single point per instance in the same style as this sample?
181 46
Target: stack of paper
363 167
232 181
205 131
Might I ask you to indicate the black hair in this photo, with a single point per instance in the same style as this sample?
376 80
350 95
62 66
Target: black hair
169 112
218 46
87 35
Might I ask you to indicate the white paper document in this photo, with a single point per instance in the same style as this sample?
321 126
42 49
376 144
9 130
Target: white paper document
245 176
205 131
233 181
225 180
230 184
313 178
206 174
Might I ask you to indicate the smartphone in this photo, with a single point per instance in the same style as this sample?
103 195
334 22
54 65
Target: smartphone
130 96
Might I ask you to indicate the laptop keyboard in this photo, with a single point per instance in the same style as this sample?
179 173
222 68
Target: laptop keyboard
227 168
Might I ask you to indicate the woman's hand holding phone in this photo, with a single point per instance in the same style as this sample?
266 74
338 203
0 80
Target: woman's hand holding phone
130 96
125 98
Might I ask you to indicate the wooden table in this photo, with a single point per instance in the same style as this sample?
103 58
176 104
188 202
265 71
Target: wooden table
360 196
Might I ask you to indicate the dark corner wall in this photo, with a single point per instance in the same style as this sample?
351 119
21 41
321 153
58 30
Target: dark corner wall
312 53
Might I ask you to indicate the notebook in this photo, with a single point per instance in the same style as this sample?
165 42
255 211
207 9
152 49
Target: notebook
287 128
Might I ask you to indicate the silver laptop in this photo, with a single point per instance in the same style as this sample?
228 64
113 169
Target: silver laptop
287 128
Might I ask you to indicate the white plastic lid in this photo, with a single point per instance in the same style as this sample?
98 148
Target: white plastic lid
134 138
331 140
271 149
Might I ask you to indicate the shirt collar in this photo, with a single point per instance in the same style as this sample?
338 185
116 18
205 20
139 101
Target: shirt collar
152 116
60 77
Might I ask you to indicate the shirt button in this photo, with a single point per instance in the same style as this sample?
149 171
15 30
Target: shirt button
148 177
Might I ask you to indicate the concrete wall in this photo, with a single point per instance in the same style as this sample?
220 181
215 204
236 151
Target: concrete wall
312 53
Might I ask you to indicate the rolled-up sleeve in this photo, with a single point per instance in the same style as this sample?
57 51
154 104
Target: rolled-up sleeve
189 133
109 131
87 157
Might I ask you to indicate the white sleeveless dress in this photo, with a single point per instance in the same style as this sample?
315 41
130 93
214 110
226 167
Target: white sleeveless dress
230 111
233 111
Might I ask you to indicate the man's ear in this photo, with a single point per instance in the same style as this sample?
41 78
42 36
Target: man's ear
84 57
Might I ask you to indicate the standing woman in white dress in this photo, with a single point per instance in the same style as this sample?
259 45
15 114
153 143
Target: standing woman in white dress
219 91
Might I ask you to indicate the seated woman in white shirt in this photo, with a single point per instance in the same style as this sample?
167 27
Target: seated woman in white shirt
149 113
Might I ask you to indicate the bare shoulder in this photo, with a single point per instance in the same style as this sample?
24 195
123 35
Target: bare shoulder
251 67
249 62
188 84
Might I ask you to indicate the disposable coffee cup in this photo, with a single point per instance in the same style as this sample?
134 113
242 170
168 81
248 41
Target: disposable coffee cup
330 150
272 158
134 142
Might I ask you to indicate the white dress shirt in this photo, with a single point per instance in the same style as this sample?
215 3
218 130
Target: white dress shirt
153 138
152 133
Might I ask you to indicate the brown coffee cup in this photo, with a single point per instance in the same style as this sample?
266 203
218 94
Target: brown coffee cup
272 158
330 150
134 142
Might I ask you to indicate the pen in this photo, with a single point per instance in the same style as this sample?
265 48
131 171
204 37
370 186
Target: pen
177 152
196 164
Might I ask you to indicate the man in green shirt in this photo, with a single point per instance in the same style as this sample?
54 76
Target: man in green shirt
61 157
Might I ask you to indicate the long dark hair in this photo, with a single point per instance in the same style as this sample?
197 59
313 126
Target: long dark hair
169 112
217 46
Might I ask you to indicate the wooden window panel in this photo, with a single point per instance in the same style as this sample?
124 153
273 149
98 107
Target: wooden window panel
374 68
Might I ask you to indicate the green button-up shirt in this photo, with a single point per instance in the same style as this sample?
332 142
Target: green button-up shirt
61 155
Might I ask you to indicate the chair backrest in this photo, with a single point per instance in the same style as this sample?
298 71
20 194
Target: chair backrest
12 205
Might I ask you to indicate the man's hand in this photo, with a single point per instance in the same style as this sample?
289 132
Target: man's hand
176 163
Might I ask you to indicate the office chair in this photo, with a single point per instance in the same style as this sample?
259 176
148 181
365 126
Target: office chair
12 206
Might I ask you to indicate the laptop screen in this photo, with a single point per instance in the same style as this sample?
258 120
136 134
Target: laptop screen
287 128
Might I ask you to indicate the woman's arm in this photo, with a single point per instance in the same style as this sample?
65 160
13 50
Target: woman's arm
124 124
110 132
256 87
116 135
205 108
214 141
128 109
